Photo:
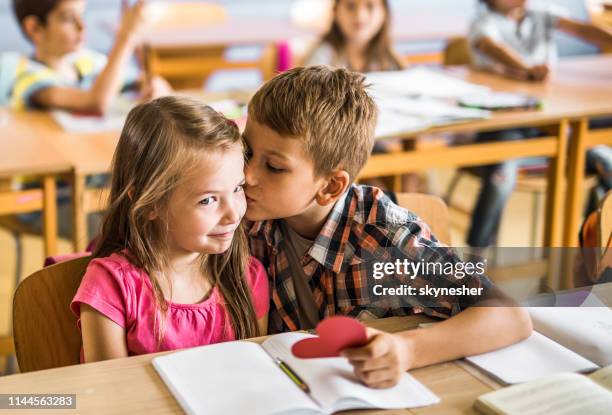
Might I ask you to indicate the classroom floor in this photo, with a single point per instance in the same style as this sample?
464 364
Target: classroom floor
515 231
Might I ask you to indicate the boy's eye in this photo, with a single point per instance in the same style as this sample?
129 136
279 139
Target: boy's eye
274 169
207 201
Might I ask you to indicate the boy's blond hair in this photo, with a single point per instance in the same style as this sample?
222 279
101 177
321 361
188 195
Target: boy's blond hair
328 109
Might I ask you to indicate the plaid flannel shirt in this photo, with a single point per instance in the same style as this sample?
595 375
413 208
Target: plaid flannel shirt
364 227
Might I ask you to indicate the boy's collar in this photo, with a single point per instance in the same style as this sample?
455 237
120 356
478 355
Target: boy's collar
320 251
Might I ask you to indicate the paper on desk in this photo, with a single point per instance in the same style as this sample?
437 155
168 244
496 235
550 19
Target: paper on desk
391 123
83 124
585 330
423 82
533 358
404 114
115 117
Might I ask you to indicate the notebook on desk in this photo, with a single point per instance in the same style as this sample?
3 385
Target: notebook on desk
561 394
243 377
566 339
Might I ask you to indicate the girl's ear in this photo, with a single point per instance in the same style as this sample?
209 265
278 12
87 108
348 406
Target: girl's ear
153 215
337 183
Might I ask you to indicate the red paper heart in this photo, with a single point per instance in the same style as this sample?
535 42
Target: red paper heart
335 333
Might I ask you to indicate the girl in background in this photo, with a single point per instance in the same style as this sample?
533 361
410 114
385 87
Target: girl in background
358 39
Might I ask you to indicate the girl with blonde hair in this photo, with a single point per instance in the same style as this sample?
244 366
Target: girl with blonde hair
171 268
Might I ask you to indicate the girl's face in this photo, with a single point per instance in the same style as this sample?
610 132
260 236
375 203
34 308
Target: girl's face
360 20
206 208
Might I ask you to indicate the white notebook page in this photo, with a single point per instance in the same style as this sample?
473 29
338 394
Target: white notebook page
199 379
331 379
533 358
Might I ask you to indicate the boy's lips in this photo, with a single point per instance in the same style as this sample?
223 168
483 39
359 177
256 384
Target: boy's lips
250 200
223 235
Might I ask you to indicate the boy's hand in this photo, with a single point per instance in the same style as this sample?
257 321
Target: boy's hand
155 87
382 361
538 73
133 21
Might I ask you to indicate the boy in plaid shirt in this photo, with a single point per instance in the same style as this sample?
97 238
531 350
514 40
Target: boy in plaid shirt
309 133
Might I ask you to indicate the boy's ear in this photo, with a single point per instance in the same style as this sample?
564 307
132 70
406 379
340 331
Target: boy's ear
337 183
31 27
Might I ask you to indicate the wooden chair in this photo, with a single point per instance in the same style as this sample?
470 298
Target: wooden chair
431 209
44 327
457 52
605 222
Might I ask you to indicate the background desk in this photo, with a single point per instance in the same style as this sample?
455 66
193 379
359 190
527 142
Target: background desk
131 385
26 149
580 89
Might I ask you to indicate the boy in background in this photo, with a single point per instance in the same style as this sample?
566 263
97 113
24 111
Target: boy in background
61 73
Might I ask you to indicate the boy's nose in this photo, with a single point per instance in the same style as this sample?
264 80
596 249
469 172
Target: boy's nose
249 174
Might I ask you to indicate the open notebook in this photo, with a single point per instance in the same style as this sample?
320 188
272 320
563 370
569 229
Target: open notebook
242 377
561 394
566 339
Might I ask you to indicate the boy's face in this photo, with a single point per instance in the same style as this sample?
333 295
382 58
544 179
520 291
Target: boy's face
280 177
64 30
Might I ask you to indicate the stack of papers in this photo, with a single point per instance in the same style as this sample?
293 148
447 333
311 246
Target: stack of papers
416 99
423 82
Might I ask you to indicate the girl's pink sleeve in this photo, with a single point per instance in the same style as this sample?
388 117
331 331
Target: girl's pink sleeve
258 281
102 288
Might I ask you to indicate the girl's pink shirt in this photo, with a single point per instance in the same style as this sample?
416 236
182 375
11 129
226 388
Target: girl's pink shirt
123 292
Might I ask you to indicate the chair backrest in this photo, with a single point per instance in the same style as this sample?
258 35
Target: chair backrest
431 209
44 327
9 61
457 52
605 222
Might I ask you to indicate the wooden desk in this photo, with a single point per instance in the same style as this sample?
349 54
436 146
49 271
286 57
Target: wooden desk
27 150
131 385
579 90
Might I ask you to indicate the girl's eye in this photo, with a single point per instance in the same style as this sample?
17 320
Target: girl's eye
207 201
239 188
274 169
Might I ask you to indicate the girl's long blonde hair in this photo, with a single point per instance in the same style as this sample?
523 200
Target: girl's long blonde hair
160 143
379 53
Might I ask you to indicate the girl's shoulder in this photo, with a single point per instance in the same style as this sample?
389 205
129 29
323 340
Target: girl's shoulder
257 279
117 266
255 272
